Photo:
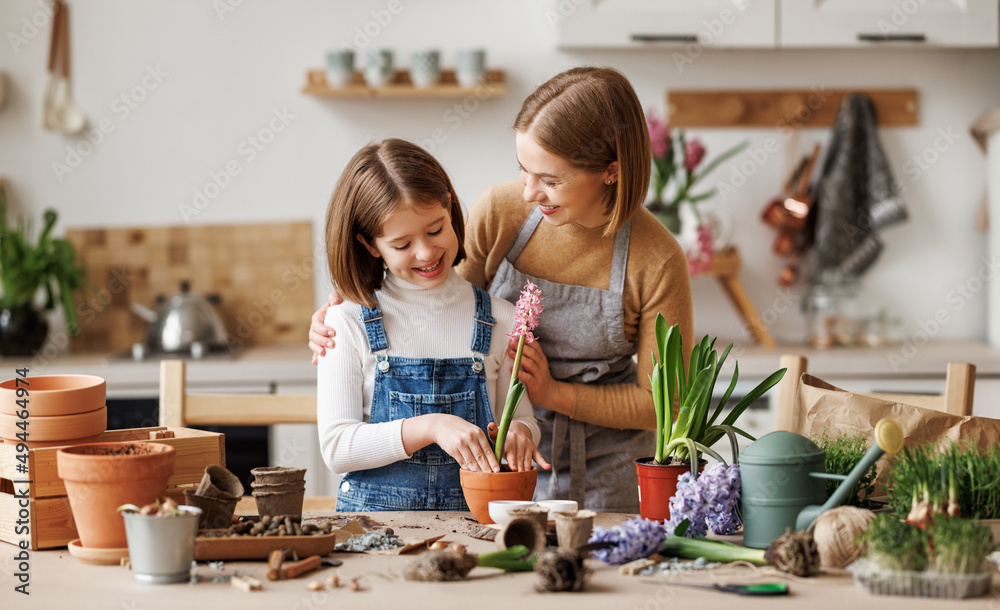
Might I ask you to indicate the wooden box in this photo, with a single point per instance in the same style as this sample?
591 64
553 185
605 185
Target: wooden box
50 519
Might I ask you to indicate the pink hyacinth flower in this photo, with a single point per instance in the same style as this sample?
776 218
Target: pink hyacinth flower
527 312
694 152
659 134
699 256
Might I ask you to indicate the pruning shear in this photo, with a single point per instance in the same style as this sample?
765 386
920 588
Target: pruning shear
762 589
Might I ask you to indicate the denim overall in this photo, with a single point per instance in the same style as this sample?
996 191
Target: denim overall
583 335
408 387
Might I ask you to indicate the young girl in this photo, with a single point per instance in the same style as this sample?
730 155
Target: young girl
420 374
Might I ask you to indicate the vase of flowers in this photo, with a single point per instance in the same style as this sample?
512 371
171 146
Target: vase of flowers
677 169
480 488
25 269
686 423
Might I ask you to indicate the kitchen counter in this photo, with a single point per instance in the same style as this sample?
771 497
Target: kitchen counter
59 580
285 365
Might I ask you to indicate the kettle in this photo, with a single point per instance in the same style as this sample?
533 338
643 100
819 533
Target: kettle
184 322
782 481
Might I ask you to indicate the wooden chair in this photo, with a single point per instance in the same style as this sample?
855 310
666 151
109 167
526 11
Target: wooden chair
956 400
178 408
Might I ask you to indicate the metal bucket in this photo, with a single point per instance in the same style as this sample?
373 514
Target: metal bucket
777 483
161 548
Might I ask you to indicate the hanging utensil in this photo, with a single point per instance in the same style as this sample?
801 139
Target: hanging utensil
48 101
69 118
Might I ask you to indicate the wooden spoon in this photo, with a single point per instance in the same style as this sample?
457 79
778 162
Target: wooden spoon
48 116
68 117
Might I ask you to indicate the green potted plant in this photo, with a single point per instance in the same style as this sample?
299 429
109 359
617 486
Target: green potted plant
25 268
480 488
686 423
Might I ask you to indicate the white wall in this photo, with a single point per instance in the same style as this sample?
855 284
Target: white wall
222 78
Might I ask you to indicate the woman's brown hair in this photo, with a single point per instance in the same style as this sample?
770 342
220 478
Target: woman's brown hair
377 180
592 117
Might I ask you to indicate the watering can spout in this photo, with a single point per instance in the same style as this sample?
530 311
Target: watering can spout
888 439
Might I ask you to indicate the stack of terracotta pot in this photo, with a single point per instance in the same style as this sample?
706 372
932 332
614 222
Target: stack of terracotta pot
216 496
279 490
59 410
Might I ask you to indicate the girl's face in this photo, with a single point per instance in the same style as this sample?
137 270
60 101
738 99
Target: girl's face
418 244
564 193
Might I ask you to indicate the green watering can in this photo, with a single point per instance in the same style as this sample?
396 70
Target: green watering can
783 486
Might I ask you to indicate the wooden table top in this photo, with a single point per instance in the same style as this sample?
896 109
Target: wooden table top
59 580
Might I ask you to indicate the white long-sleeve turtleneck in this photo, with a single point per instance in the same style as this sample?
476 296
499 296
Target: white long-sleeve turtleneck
419 323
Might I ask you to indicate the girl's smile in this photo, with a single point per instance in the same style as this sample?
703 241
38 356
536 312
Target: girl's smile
418 244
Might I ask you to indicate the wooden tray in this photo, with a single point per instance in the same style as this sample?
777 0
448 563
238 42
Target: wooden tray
254 547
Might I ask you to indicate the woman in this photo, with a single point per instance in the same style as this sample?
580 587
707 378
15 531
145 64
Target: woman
574 224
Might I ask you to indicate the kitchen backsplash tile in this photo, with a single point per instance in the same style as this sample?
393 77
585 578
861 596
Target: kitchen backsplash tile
262 273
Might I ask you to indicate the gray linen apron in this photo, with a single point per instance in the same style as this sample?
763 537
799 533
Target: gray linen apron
582 332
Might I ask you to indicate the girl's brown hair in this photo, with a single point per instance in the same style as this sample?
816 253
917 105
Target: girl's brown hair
379 179
592 117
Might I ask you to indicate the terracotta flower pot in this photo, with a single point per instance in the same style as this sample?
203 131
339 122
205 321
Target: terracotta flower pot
54 394
482 487
657 484
101 477
53 430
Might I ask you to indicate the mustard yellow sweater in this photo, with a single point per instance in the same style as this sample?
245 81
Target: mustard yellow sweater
656 281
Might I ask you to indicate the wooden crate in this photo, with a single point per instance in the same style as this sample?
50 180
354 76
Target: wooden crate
50 518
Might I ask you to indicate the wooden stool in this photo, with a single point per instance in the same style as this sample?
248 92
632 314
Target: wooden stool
726 267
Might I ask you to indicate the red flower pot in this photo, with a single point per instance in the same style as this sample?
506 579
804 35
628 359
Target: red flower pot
657 484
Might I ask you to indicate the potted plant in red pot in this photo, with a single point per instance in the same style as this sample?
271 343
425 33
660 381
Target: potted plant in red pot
479 488
685 420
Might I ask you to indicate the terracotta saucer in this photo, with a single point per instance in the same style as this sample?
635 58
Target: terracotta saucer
106 557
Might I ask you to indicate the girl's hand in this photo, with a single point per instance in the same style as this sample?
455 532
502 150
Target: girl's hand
543 390
466 443
518 448
321 335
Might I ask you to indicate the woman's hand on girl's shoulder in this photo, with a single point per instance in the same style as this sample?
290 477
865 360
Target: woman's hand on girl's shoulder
321 335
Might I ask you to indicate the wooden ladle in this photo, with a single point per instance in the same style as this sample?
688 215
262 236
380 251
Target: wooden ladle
67 117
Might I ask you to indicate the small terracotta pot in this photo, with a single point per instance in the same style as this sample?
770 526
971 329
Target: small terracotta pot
56 428
482 487
277 475
101 477
54 394
657 484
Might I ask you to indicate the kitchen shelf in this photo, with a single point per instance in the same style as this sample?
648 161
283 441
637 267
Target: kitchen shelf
493 85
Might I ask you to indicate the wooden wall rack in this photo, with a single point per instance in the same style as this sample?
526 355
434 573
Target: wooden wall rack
493 85
783 109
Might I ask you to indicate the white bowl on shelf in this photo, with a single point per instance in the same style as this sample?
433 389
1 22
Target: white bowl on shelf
499 509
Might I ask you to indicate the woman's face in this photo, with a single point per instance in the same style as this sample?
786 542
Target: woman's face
564 194
418 244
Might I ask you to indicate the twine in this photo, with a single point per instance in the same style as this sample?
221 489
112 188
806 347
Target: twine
836 532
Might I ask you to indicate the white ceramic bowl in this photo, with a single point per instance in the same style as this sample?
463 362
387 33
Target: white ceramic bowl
560 506
498 509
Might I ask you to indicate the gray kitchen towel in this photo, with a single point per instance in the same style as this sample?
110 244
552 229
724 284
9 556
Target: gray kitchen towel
856 194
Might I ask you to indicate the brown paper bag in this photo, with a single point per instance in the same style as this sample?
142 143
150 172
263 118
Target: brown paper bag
823 408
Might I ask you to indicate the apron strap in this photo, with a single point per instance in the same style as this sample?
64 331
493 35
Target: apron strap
524 234
374 329
482 335
619 260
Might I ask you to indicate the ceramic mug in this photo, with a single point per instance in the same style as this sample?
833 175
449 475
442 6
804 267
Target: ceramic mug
378 67
425 68
340 68
470 67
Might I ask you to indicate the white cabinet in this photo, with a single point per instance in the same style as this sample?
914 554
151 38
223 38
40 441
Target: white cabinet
888 23
642 23
702 24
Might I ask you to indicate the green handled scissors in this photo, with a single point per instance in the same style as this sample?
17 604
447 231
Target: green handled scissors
767 588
